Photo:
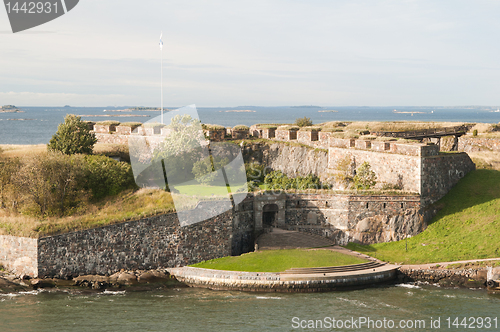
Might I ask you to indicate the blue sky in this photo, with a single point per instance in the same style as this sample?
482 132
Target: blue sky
269 53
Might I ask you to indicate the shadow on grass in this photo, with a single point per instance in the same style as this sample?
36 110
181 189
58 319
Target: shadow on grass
462 228
477 187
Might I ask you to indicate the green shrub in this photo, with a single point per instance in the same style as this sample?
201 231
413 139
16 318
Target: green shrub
474 132
280 181
255 172
365 178
344 172
303 122
106 177
73 136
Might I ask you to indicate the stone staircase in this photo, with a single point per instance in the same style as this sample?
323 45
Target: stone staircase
336 269
283 239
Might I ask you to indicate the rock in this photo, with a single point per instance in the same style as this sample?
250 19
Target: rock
153 277
92 281
7 286
42 283
126 278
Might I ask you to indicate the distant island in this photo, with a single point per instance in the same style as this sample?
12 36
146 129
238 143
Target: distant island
114 115
140 108
306 106
239 111
10 109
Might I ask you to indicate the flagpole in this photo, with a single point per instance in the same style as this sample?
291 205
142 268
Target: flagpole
161 73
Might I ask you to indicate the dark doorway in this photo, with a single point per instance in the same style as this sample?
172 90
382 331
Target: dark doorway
269 215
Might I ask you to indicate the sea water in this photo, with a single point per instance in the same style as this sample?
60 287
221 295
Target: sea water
37 124
191 309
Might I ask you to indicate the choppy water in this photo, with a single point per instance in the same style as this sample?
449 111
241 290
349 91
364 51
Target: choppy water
38 124
188 309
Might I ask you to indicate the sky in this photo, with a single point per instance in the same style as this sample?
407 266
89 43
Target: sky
266 53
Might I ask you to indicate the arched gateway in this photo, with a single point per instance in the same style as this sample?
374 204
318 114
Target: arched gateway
269 212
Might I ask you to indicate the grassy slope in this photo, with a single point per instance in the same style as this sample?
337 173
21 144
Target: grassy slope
128 205
280 260
466 227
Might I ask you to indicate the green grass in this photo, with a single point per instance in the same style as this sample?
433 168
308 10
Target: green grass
466 227
280 260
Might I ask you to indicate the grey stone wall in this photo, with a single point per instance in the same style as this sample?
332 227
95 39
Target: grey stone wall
441 173
19 254
391 168
361 218
475 144
148 243
243 236
293 160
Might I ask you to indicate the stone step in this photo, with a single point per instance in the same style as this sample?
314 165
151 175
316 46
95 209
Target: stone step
282 239
335 269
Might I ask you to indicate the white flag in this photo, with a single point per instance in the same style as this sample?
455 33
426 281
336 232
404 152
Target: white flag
161 42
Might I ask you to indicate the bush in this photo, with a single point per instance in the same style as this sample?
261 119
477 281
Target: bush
303 122
365 178
240 127
8 167
279 180
73 136
474 132
106 177
344 172
48 184
255 172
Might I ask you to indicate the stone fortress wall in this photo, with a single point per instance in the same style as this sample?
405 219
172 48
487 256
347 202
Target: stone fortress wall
160 241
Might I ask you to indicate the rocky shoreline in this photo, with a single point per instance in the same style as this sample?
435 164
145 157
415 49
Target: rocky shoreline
141 280
451 275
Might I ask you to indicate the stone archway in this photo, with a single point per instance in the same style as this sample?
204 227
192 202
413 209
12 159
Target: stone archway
269 212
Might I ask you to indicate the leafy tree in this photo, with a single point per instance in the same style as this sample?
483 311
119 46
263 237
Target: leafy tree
73 136
204 169
365 178
303 122
180 150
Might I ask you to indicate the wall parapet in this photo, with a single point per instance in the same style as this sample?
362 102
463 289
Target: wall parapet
409 149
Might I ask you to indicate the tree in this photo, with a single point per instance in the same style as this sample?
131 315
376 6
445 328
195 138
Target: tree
303 122
73 136
365 178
